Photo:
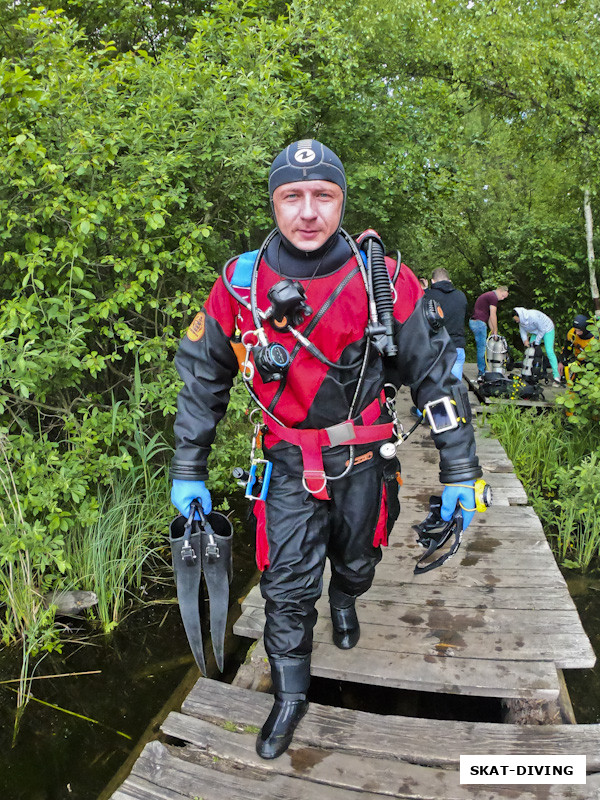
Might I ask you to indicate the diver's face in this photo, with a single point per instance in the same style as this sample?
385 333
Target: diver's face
308 212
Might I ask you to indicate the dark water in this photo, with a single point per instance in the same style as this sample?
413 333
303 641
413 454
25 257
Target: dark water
58 756
584 684
146 666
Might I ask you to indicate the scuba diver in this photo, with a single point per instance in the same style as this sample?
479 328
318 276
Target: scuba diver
578 338
328 328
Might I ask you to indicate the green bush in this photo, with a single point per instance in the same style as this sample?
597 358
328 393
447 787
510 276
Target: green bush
128 180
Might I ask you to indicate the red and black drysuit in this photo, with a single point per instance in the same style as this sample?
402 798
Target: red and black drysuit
296 530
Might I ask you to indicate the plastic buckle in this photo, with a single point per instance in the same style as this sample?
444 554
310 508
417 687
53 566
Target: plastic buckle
212 548
445 408
266 478
187 553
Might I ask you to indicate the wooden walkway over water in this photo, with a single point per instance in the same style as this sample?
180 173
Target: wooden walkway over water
497 621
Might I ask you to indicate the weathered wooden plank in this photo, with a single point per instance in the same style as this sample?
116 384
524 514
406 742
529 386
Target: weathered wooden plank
535 598
401 614
531 568
405 557
438 673
509 532
513 579
326 768
567 650
486 542
428 742
179 772
462 676
502 479
136 788
468 577
495 517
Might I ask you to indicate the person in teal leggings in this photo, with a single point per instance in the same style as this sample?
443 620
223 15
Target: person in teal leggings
535 327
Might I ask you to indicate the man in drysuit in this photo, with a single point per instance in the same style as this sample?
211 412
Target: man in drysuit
318 370
578 338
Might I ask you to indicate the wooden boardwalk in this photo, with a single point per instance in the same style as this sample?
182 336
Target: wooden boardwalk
497 620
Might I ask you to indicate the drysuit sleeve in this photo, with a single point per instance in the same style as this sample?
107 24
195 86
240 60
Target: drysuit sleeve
424 362
207 365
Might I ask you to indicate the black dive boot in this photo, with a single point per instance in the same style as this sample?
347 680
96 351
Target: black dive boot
291 678
346 628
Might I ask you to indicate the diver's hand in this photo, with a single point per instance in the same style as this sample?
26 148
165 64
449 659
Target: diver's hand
183 492
463 493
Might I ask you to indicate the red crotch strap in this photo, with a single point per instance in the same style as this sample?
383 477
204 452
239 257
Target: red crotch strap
312 440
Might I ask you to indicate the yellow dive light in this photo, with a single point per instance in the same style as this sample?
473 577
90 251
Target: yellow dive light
483 494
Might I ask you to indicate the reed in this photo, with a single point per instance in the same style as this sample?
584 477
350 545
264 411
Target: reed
24 617
114 556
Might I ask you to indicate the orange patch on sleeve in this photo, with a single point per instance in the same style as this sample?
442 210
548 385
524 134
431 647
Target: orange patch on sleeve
196 330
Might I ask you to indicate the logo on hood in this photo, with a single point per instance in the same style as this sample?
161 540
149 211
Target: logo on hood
305 156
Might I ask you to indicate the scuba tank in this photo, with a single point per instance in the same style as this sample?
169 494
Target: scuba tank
533 364
496 352
527 369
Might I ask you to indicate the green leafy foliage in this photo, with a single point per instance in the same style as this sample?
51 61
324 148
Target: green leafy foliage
126 179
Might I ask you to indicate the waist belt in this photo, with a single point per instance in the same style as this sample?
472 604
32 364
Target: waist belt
311 440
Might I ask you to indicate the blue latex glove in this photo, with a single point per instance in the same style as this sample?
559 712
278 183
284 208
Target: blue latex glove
183 492
463 493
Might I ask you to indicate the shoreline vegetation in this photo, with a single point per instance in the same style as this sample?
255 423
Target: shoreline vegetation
556 455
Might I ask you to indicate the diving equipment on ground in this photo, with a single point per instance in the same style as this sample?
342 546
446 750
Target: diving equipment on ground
497 381
533 364
203 546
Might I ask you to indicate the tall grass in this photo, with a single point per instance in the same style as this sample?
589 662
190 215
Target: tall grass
24 616
113 556
560 469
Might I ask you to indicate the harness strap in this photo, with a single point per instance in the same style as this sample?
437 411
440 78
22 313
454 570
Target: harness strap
311 440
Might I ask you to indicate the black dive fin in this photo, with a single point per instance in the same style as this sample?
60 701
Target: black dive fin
217 536
184 536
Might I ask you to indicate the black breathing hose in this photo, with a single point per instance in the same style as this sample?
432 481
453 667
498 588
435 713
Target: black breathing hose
382 293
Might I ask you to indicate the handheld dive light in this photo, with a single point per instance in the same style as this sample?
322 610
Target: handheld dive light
483 495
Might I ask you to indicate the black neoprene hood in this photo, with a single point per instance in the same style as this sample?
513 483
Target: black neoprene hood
306 160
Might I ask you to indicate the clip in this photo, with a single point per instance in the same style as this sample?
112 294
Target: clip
252 478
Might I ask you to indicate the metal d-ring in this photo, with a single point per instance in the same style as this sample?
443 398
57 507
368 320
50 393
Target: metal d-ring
314 473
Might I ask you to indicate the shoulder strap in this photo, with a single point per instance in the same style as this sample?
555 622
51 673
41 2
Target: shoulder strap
242 273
